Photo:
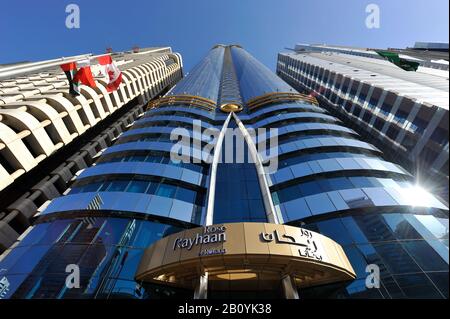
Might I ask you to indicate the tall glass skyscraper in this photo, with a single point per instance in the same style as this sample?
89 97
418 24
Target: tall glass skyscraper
142 223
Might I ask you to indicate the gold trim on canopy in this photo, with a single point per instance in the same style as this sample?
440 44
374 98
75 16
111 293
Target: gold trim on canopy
244 253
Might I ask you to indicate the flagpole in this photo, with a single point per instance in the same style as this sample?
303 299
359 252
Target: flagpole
8 72
24 65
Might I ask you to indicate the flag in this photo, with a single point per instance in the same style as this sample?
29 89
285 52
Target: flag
78 73
84 74
401 63
114 76
70 69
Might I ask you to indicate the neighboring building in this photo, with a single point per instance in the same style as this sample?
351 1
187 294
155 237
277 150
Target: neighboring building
403 113
46 135
140 224
427 54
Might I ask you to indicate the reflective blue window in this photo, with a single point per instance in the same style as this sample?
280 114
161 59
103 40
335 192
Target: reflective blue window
91 187
107 231
103 188
440 279
359 264
186 195
149 157
105 249
374 227
324 184
145 186
320 204
425 256
353 229
430 226
238 194
117 186
340 183
361 182
334 229
137 186
400 227
393 256
146 233
288 193
395 242
309 188
417 286
152 188
137 158
166 191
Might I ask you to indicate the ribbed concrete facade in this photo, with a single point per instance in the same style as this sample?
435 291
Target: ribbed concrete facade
39 118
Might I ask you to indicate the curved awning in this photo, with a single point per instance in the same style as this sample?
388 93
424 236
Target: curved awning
245 252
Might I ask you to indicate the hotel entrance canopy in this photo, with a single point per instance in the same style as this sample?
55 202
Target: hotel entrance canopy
248 254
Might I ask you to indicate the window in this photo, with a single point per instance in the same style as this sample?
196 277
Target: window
425 255
334 229
394 257
137 186
92 187
186 195
166 191
118 186
340 183
418 125
417 286
152 188
400 116
359 182
440 136
309 188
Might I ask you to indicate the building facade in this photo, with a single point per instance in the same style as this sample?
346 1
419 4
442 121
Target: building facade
47 135
167 212
403 113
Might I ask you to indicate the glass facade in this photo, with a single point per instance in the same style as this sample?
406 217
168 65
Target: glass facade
238 196
327 180
411 250
107 251
389 116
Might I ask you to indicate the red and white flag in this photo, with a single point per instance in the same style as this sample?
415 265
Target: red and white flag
81 72
84 74
112 72
78 73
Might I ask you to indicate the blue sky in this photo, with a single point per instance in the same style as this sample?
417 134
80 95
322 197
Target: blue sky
35 30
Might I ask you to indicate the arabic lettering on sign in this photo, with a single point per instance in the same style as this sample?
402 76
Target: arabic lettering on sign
310 252
308 248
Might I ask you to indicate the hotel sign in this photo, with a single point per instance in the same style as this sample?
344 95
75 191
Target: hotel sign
210 235
307 247
225 248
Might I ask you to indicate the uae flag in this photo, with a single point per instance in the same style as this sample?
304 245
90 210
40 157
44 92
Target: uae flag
111 72
70 69
84 74
78 73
